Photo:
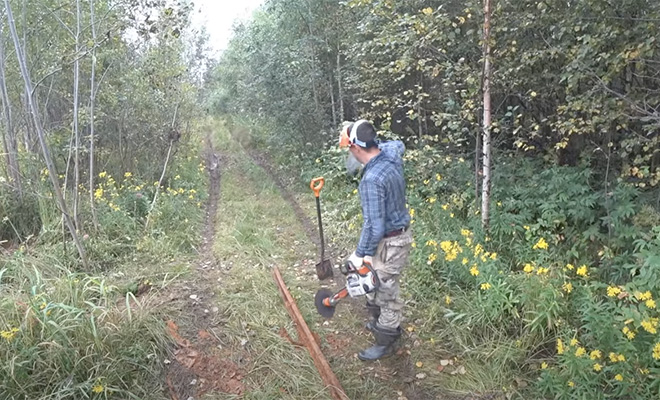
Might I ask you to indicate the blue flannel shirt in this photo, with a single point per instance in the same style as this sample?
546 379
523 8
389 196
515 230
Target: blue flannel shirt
383 197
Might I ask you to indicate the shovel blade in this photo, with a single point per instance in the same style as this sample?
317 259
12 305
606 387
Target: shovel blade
325 311
324 270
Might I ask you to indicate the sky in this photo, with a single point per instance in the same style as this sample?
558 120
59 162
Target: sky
219 15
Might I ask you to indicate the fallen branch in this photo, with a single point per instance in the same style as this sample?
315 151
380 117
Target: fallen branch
306 337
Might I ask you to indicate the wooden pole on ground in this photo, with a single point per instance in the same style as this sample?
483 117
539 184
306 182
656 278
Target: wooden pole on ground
305 337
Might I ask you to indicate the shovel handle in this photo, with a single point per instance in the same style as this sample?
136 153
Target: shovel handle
316 185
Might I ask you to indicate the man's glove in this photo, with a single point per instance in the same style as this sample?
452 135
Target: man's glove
353 263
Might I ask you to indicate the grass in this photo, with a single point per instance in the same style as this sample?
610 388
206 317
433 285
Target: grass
71 336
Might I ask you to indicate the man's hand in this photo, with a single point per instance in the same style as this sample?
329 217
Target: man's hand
355 260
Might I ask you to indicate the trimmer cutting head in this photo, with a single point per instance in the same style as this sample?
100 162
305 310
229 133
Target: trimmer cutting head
325 311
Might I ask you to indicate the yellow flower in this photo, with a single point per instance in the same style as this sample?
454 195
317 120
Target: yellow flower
464 261
431 243
98 193
485 286
103 174
493 256
580 352
426 181
613 291
574 342
447 300
127 175
451 215
438 177
427 11
650 303
582 271
98 388
644 371
656 351
567 287
619 377
650 325
544 365
9 335
466 232
412 213
560 347
176 178
528 268
432 257
571 384
541 244
644 296
474 270
414 245
445 207
526 227
595 355
542 271
597 367
432 200
569 267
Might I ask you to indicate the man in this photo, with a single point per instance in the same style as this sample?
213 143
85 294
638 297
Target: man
386 239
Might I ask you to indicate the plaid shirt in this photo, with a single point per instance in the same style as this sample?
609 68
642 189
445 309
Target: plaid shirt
383 197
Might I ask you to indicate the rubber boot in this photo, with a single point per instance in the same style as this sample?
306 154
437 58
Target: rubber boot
374 312
385 343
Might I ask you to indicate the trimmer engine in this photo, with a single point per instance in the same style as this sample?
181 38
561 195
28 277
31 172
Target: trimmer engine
358 283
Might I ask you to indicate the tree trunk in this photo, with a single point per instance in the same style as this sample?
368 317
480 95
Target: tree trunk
342 116
34 111
334 107
9 137
485 191
92 103
76 133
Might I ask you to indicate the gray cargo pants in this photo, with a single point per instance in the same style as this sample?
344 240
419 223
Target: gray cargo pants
389 261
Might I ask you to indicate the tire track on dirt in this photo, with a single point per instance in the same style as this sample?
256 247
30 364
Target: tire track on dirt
200 364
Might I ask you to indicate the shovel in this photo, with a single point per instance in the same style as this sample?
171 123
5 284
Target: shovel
324 267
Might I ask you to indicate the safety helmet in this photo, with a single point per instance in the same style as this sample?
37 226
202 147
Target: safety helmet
360 133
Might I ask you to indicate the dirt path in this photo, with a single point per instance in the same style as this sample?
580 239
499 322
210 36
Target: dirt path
400 368
201 364
233 336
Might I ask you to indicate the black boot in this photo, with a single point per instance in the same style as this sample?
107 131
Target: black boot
385 343
374 312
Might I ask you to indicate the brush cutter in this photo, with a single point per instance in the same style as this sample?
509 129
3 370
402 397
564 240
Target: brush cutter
324 267
358 283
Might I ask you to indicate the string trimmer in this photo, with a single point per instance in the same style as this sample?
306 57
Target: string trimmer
358 283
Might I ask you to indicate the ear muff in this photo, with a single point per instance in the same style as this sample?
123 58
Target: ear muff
344 137
348 136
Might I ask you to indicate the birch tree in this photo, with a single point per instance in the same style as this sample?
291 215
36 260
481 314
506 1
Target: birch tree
34 116
485 191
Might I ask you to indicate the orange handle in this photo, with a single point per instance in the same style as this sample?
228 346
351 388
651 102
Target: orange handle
316 185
